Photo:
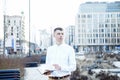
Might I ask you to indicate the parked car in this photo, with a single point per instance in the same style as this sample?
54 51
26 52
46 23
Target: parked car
99 56
81 55
93 66
116 52
99 61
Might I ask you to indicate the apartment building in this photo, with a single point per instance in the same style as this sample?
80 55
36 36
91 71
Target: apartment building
70 35
98 26
45 39
14 33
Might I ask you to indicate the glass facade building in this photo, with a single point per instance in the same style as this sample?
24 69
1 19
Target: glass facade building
98 26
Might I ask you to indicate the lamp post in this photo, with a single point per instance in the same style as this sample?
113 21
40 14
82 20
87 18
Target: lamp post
4 24
51 37
29 30
4 36
40 38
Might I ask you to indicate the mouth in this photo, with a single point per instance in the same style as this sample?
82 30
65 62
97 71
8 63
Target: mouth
61 38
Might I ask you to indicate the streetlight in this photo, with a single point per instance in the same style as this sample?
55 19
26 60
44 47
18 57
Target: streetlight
4 36
4 22
40 43
29 29
51 37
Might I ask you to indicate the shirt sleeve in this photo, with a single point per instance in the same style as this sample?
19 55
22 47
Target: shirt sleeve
47 57
71 62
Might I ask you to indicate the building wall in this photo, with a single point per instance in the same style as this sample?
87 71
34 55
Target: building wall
98 26
70 35
44 39
14 32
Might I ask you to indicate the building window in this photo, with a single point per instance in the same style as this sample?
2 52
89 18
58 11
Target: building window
17 35
93 40
89 16
14 22
114 30
118 25
118 40
17 28
101 41
83 16
107 16
113 25
118 35
102 30
11 29
8 22
78 16
105 40
118 15
107 20
83 21
113 35
79 40
96 35
106 25
108 35
88 40
113 40
113 15
101 25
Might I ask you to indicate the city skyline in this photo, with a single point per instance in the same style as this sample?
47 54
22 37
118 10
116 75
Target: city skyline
45 14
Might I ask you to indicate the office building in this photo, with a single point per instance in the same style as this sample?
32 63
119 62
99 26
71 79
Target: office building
70 35
14 33
98 26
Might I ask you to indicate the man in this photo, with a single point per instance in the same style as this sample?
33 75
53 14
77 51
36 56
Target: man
61 56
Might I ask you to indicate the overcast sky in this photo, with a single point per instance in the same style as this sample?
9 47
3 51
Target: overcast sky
45 13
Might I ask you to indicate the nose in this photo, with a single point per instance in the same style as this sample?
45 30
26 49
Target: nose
61 34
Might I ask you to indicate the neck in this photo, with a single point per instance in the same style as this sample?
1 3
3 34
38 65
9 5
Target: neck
58 43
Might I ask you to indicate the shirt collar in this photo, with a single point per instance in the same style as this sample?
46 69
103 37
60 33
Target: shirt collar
60 44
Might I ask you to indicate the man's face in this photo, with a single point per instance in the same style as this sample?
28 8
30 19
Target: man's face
58 34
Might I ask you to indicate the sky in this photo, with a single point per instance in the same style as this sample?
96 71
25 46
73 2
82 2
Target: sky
45 14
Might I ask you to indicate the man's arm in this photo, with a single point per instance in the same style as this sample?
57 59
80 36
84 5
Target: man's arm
71 62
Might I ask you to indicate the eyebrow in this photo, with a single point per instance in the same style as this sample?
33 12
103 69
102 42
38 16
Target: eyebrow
61 33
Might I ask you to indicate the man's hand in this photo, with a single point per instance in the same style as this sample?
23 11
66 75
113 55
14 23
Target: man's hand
57 67
47 72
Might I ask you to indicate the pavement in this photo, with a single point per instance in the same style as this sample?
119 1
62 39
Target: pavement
32 73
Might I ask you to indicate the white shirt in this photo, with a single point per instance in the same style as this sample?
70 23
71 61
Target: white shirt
63 55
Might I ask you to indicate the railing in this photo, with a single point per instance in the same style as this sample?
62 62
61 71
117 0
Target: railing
10 74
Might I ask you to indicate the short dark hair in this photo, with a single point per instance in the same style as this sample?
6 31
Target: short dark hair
58 28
